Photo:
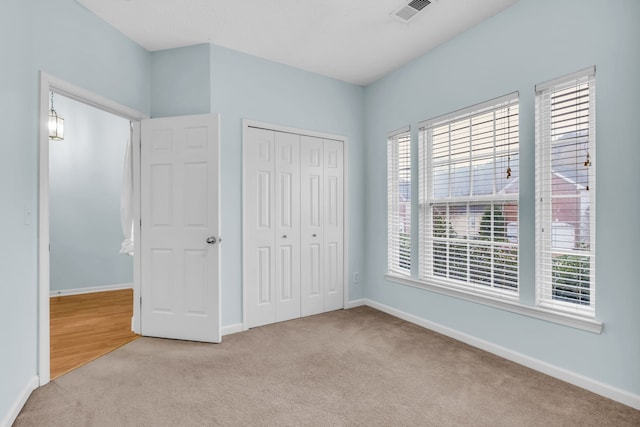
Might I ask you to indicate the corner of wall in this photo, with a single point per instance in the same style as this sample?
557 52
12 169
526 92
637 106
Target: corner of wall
19 402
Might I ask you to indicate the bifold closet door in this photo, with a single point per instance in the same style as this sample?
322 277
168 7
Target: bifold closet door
333 225
271 226
287 236
321 228
311 203
259 229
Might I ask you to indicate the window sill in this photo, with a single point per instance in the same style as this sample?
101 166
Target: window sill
584 324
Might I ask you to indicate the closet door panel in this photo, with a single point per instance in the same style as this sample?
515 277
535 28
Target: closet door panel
293 225
259 226
311 227
333 225
287 233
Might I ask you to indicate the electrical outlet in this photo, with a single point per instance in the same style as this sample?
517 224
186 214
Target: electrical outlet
356 277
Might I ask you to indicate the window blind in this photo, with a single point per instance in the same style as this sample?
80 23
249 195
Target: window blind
399 201
565 193
469 173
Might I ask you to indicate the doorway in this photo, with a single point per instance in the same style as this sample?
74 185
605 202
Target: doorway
59 87
91 271
85 188
180 163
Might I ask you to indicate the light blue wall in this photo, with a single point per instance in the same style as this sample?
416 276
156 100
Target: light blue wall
69 42
85 182
180 81
529 43
18 292
246 87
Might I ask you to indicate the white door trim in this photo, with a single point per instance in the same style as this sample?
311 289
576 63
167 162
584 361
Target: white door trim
50 83
246 123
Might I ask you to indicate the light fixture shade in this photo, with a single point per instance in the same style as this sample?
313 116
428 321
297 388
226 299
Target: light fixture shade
56 126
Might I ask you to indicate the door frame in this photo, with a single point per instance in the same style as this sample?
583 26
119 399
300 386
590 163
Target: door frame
247 123
50 83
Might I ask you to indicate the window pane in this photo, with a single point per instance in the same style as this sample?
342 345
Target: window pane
441 181
565 142
570 279
472 219
399 203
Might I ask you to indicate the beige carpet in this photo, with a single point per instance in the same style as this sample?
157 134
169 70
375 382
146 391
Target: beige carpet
350 367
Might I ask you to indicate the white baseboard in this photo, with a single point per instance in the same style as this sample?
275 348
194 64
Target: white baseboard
355 303
619 395
17 406
102 288
231 329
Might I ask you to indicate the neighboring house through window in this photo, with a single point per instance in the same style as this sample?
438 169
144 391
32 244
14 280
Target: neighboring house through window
469 179
399 202
565 194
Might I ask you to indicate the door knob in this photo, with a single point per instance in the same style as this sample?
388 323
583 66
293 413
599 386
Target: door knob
314 235
284 236
211 240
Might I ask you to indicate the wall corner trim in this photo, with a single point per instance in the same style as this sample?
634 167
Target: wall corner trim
606 390
21 399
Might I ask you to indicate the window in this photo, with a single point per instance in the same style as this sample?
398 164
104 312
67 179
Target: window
469 198
565 193
399 201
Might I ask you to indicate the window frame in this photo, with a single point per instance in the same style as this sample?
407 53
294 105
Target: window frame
395 161
544 209
428 201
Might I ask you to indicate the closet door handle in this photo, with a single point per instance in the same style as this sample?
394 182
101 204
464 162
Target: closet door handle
314 235
284 236
211 240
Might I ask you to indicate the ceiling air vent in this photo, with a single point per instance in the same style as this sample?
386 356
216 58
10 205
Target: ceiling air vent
408 11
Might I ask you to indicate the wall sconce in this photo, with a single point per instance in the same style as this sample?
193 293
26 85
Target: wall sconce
56 124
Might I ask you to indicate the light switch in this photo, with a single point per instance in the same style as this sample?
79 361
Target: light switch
27 216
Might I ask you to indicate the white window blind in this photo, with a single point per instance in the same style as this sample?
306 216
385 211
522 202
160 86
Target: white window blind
565 193
469 173
399 201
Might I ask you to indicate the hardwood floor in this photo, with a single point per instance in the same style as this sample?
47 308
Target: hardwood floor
87 326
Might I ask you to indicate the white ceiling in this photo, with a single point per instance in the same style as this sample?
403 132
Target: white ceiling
357 41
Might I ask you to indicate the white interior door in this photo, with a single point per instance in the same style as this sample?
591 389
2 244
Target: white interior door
180 289
259 226
287 236
293 225
333 225
311 227
271 260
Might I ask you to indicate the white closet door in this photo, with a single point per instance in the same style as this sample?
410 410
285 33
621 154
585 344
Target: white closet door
287 233
293 250
311 227
259 226
333 229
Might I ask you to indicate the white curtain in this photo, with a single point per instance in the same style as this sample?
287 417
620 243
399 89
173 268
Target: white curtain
126 200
